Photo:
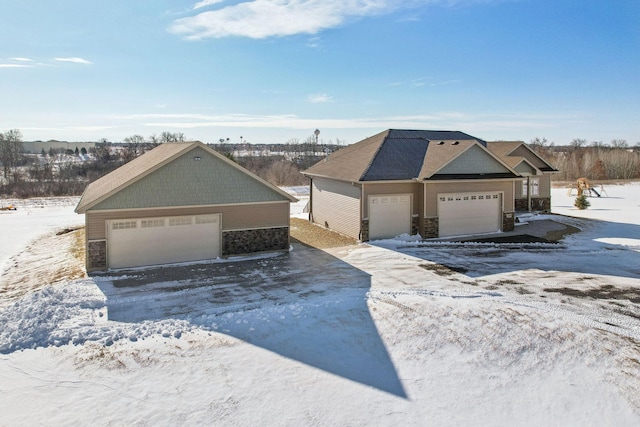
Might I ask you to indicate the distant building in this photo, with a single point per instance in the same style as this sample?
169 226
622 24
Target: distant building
36 147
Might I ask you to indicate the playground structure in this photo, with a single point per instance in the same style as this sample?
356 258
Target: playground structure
584 187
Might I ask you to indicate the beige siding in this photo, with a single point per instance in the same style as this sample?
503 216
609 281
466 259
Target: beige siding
336 204
545 185
518 190
531 158
435 188
236 217
378 189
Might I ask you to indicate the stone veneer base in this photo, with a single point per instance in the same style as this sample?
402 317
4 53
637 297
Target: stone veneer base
251 241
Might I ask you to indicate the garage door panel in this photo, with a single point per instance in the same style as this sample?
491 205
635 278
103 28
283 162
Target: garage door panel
469 213
134 243
389 216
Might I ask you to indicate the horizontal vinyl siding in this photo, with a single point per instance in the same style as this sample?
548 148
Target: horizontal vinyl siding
531 158
545 185
337 205
189 182
433 189
474 160
233 217
394 188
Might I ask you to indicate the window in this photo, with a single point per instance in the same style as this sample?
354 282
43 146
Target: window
180 221
535 187
123 225
149 223
207 219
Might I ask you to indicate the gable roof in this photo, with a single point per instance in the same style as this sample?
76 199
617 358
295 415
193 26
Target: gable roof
397 154
514 152
152 161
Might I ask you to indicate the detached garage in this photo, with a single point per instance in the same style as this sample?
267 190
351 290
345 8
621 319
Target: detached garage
181 202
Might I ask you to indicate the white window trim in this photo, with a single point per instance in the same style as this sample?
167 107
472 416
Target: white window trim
534 183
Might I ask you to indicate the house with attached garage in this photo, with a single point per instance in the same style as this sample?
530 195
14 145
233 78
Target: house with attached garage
181 202
432 183
534 191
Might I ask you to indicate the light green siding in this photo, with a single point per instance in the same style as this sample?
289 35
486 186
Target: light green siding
473 161
195 178
525 169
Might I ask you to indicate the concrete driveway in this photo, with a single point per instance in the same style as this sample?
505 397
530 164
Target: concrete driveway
225 285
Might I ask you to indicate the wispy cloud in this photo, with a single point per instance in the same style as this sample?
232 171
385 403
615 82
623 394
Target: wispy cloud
260 19
314 42
205 3
318 98
440 120
17 63
425 82
74 60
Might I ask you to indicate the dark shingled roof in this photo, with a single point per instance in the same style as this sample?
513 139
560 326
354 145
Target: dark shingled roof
402 153
394 154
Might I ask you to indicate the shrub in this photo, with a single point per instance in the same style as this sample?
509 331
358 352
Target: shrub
582 202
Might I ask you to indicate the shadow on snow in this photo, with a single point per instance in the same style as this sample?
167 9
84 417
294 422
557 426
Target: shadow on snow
305 305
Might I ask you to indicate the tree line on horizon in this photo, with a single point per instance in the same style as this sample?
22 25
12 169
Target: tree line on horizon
594 160
66 173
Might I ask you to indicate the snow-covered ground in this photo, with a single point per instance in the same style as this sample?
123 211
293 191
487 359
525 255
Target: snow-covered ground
398 332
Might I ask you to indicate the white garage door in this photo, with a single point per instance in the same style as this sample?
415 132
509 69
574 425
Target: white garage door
153 241
389 216
469 213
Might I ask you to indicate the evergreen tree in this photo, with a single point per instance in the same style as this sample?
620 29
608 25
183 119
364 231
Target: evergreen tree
582 202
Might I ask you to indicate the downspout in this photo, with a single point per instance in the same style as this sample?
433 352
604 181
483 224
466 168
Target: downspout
361 210
310 199
529 193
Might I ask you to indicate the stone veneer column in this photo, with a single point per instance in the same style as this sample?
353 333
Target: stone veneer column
364 230
541 204
508 221
431 227
415 225
96 255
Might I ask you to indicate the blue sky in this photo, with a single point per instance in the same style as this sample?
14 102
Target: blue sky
270 71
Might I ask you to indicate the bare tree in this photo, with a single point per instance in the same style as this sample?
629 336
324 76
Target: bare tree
135 147
10 151
166 137
578 142
619 143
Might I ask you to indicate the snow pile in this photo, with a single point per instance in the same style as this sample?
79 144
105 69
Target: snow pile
74 314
